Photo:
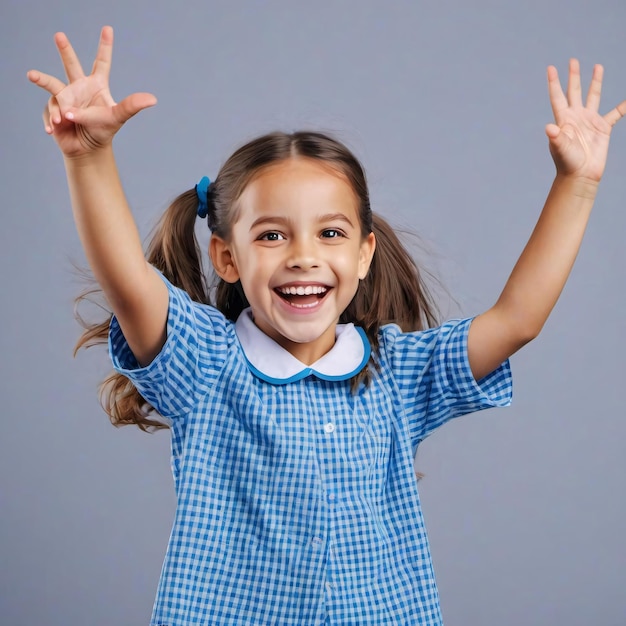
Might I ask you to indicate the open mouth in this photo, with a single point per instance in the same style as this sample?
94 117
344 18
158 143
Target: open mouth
303 296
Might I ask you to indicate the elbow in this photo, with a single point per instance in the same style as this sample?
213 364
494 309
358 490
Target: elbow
518 328
523 320
526 330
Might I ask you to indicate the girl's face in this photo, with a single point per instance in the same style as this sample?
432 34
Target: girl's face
298 250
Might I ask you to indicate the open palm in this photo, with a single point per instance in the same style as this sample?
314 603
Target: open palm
579 138
82 115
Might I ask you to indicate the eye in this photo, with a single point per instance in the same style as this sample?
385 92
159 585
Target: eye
332 233
271 236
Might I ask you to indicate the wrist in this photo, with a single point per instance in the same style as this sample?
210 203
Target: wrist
578 186
89 159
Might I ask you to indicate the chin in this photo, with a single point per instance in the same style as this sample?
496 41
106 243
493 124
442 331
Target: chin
303 337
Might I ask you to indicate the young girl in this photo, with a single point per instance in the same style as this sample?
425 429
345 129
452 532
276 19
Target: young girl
296 402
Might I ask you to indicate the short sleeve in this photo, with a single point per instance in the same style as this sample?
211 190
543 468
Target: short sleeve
433 375
193 351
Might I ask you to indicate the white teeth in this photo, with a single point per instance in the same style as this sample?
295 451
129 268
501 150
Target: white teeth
303 291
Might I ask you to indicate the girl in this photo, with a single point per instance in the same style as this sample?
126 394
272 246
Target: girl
297 403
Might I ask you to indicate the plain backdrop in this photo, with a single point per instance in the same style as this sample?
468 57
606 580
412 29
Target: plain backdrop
445 103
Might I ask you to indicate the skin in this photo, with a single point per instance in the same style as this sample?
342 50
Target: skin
83 118
298 226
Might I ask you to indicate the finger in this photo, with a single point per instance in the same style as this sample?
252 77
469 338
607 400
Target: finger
614 116
558 101
574 94
552 131
131 105
73 68
116 115
102 63
595 88
51 84
54 112
46 121
558 139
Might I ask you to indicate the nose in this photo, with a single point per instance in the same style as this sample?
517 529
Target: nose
302 255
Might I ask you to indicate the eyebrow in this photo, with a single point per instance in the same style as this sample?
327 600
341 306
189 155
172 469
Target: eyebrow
280 219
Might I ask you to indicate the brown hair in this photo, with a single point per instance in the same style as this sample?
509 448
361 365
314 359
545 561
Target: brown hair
392 292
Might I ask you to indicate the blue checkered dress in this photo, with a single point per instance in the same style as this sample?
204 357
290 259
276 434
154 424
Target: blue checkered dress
297 499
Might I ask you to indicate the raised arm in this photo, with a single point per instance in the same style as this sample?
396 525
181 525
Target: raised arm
83 119
579 141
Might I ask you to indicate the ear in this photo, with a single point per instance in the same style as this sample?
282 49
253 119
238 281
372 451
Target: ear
223 260
366 254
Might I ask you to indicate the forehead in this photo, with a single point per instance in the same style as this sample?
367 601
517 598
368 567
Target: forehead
298 184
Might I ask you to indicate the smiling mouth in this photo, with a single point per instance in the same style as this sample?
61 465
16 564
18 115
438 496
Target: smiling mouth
302 296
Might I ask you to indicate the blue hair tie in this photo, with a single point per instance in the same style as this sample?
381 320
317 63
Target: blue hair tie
202 191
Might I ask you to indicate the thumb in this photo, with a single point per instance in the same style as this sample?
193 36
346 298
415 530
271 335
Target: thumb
131 105
558 139
116 115
553 131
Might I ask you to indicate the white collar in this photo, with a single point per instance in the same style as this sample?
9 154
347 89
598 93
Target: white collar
272 363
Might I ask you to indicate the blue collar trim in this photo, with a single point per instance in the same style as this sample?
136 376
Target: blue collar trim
272 363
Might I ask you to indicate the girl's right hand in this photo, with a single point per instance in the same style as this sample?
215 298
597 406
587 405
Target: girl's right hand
82 115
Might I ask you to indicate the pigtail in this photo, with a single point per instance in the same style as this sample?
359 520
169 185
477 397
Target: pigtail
174 248
393 292
174 251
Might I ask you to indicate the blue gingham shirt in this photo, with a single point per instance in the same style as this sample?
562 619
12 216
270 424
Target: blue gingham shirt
297 498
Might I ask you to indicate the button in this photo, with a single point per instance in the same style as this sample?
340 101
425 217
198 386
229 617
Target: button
331 496
329 428
317 541
329 587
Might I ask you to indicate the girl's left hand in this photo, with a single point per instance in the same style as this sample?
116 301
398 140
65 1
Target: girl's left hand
579 138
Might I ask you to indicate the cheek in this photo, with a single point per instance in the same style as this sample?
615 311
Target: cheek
255 268
349 267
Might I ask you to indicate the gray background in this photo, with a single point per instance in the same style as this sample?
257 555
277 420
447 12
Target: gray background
445 103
